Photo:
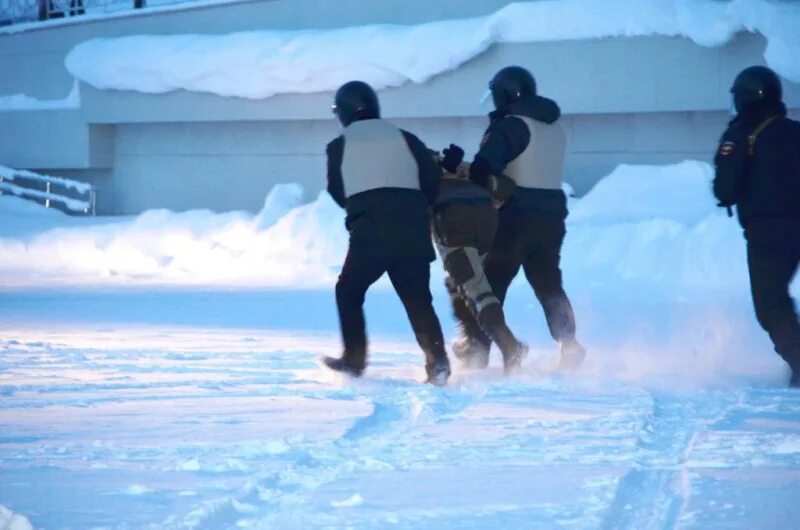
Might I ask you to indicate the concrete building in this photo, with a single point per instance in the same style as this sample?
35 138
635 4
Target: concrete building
644 100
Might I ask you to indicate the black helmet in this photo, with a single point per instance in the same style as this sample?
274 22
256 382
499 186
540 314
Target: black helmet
510 84
755 85
355 100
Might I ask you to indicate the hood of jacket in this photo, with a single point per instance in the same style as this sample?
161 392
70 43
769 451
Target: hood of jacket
536 108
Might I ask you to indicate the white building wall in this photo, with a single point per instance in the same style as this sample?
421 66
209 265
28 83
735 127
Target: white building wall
233 165
219 165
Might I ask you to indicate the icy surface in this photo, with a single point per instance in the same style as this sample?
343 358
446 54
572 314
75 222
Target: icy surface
260 64
164 409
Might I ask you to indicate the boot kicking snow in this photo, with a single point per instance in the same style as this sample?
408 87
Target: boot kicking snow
572 355
471 351
438 373
512 358
340 365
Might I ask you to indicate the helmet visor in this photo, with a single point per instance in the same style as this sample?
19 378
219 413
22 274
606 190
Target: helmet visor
485 99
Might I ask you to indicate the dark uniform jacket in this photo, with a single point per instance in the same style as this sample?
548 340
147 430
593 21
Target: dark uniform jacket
758 167
385 178
525 142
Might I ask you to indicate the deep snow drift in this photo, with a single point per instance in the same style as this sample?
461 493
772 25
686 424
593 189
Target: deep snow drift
663 228
391 55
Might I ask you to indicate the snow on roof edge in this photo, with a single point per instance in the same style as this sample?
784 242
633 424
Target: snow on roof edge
260 64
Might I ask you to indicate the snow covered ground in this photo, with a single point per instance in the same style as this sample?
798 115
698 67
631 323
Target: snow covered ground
160 372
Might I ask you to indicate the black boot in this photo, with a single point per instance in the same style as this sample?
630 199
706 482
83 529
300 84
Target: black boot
437 365
512 358
572 355
473 345
472 351
792 357
438 372
341 365
493 322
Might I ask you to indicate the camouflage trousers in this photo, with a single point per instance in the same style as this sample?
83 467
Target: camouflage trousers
463 233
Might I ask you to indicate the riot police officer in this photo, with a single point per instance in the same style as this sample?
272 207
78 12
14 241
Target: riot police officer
385 178
525 141
758 171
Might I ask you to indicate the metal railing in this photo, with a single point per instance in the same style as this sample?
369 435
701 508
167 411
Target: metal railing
59 9
14 11
40 188
20 11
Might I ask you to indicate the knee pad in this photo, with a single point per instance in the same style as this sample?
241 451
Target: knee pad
459 266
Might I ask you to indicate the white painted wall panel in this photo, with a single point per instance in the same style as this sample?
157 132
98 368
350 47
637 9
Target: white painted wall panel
44 139
220 183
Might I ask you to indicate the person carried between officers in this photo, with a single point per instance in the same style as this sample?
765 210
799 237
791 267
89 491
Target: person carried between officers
464 225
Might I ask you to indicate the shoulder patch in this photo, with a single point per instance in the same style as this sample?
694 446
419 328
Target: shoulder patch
727 148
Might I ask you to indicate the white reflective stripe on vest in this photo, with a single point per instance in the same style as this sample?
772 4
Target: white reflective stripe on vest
376 155
541 164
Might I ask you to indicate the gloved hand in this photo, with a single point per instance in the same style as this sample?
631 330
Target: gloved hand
479 171
453 156
728 207
501 188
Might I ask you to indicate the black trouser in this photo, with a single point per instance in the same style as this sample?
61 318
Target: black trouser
532 241
410 277
773 254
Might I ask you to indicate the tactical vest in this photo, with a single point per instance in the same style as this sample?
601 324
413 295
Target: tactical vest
376 155
541 164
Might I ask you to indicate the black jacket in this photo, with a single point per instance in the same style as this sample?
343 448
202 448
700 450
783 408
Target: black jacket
388 222
504 140
766 182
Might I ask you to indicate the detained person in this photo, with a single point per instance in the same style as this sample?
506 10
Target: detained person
464 226
385 178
